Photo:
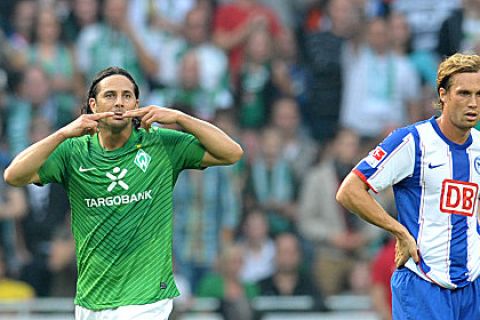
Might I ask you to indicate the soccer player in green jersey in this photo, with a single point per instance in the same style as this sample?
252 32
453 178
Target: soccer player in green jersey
119 179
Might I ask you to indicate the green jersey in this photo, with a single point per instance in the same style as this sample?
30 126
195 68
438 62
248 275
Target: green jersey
121 203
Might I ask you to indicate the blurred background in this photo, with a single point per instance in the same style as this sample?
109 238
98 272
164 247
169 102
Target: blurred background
307 87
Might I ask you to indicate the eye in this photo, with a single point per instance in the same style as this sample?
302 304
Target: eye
108 95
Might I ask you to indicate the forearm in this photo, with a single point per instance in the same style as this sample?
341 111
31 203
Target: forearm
216 142
353 195
23 169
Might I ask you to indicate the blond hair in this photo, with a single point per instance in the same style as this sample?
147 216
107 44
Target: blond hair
457 63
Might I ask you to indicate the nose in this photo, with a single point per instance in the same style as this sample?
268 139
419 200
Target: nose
119 100
474 101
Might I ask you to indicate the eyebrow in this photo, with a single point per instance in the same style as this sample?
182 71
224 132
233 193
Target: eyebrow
115 91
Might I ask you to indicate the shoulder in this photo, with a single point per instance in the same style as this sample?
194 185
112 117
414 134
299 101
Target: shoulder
156 132
78 141
412 129
165 136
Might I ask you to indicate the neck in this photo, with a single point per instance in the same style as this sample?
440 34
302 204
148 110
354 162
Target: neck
452 132
111 140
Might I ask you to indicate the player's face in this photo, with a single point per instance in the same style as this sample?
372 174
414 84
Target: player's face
461 103
115 93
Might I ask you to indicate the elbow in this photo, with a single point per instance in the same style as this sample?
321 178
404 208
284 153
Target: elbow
233 155
10 179
7 176
342 195
237 154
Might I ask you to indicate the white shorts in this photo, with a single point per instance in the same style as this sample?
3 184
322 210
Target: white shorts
159 310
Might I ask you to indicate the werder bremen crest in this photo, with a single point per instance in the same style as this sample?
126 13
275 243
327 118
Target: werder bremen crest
142 160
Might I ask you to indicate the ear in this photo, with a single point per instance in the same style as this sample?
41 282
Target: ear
442 93
92 104
137 103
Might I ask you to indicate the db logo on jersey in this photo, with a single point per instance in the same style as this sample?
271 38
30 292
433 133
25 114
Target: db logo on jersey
458 197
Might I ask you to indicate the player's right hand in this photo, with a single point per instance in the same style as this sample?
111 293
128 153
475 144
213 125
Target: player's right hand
405 248
85 124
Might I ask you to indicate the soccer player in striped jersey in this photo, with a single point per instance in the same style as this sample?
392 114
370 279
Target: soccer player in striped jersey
434 168
119 179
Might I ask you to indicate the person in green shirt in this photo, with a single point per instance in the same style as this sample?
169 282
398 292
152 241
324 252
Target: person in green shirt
119 173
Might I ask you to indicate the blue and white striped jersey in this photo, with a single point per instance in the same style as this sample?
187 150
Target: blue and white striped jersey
435 182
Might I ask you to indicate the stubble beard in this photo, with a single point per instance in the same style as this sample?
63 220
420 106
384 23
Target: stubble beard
115 128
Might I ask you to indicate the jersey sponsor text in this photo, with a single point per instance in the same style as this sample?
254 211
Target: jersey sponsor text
458 197
118 200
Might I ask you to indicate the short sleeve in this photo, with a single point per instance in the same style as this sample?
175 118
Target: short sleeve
390 162
185 150
54 170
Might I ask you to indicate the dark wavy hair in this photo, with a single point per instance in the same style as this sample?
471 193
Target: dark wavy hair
105 73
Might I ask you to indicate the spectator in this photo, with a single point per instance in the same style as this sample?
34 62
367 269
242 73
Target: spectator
460 31
271 185
382 269
167 16
324 51
235 22
62 263
381 84
300 150
425 19
83 13
114 42
56 59
32 96
213 63
259 81
227 286
259 249
225 120
289 58
288 279
424 61
23 16
189 91
11 59
12 207
12 289
40 228
340 238
206 212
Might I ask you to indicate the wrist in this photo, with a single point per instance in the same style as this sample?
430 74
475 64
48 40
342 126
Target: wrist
401 232
180 117
60 135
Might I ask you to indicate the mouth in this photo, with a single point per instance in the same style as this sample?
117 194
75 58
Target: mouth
118 115
471 116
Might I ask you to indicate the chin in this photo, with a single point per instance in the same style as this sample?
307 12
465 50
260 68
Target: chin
118 125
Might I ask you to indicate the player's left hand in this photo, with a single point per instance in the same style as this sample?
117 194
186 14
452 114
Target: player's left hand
150 114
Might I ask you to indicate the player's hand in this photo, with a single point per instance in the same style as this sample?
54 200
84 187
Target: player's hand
85 124
405 248
150 114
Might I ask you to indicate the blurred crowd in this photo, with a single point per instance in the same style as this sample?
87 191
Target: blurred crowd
307 87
